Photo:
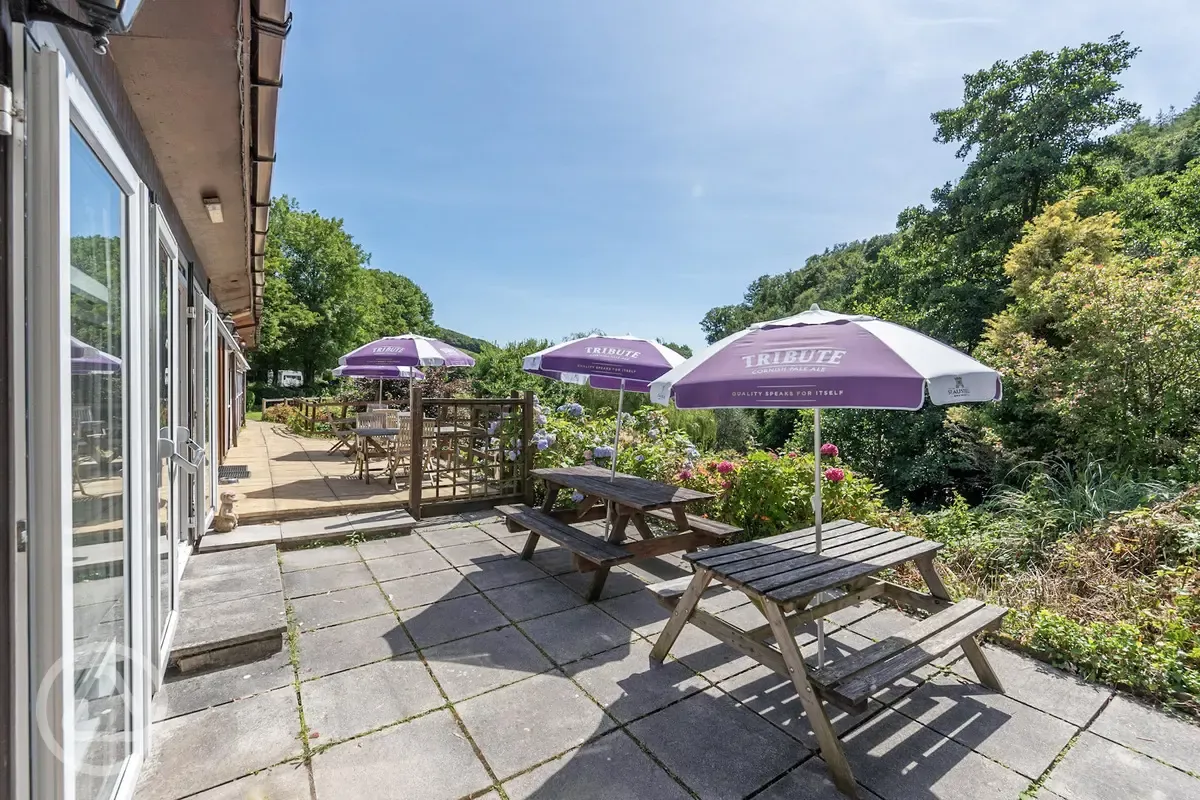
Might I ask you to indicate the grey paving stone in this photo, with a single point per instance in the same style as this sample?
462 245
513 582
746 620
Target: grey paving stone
451 619
533 599
207 580
612 767
399 764
899 759
639 611
1150 731
774 697
450 537
347 703
374 522
554 560
310 557
318 526
422 590
241 537
485 661
1097 769
530 721
656 570
708 655
745 616
332 608
989 723
444 521
495 527
392 546
464 555
253 734
576 633
810 781
482 516
1041 685
185 694
719 749
847 616
325 579
286 782
628 686
619 582
406 565
501 572
351 645
202 629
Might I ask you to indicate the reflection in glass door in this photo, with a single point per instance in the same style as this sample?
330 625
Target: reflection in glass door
100 547
167 508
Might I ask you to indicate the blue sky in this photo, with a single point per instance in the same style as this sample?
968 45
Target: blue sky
541 167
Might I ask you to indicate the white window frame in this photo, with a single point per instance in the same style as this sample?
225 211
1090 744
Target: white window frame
59 99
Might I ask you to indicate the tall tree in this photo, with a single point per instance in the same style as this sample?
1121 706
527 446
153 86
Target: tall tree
394 305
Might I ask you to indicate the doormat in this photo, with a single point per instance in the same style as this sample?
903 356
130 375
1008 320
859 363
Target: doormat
233 472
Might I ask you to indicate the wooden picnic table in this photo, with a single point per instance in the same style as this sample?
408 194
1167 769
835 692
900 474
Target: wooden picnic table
633 500
783 576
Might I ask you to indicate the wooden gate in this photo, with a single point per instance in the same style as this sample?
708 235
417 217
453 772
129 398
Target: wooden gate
470 450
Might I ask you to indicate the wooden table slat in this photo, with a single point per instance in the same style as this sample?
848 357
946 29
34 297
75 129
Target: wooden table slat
630 491
838 577
811 566
802 549
735 552
789 560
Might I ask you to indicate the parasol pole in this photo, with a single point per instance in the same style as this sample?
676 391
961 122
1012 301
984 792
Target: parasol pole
612 475
381 390
816 505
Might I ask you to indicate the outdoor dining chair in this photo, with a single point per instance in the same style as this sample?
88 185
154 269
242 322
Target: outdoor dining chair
367 447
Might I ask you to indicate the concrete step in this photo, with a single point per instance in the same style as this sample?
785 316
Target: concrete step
232 609
302 532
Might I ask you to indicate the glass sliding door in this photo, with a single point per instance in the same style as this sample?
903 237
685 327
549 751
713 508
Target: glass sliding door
168 517
88 423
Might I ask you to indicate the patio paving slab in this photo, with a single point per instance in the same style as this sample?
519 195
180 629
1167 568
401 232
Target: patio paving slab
185 694
348 703
619 582
395 764
345 605
242 536
464 555
1040 685
809 781
1020 737
576 633
523 724
500 572
899 759
1152 732
554 560
315 527
231 575
211 635
533 599
392 546
288 781
325 579
407 565
485 661
449 537
423 590
638 611
395 520
447 620
351 645
1097 769
311 557
708 655
719 749
773 696
628 686
612 767
236 739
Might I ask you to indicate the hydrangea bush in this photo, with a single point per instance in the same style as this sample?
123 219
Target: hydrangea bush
762 492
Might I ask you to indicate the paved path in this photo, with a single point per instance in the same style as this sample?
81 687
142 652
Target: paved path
438 666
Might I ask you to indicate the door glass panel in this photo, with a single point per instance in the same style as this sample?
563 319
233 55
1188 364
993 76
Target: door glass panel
208 366
99 542
163 350
184 482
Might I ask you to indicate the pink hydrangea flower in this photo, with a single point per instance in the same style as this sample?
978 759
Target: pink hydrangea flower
829 449
726 484
725 467
685 475
835 474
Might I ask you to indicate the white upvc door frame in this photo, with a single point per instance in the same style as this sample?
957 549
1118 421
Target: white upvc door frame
58 101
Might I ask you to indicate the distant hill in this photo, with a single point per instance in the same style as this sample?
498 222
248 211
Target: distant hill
459 340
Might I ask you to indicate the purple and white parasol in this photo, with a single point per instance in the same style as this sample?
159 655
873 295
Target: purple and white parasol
409 350
88 360
623 363
819 359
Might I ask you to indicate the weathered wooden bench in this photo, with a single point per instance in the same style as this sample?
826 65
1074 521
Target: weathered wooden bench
599 556
715 529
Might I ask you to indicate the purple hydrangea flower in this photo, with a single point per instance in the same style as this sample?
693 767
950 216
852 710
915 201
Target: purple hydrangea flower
577 497
493 427
604 451
639 457
653 433
542 444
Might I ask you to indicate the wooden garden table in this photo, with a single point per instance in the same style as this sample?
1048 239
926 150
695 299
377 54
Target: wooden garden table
783 574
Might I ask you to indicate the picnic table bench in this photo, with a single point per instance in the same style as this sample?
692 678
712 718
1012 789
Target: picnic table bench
783 575
633 500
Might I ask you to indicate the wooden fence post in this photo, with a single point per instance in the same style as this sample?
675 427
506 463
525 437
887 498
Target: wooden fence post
416 455
527 447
